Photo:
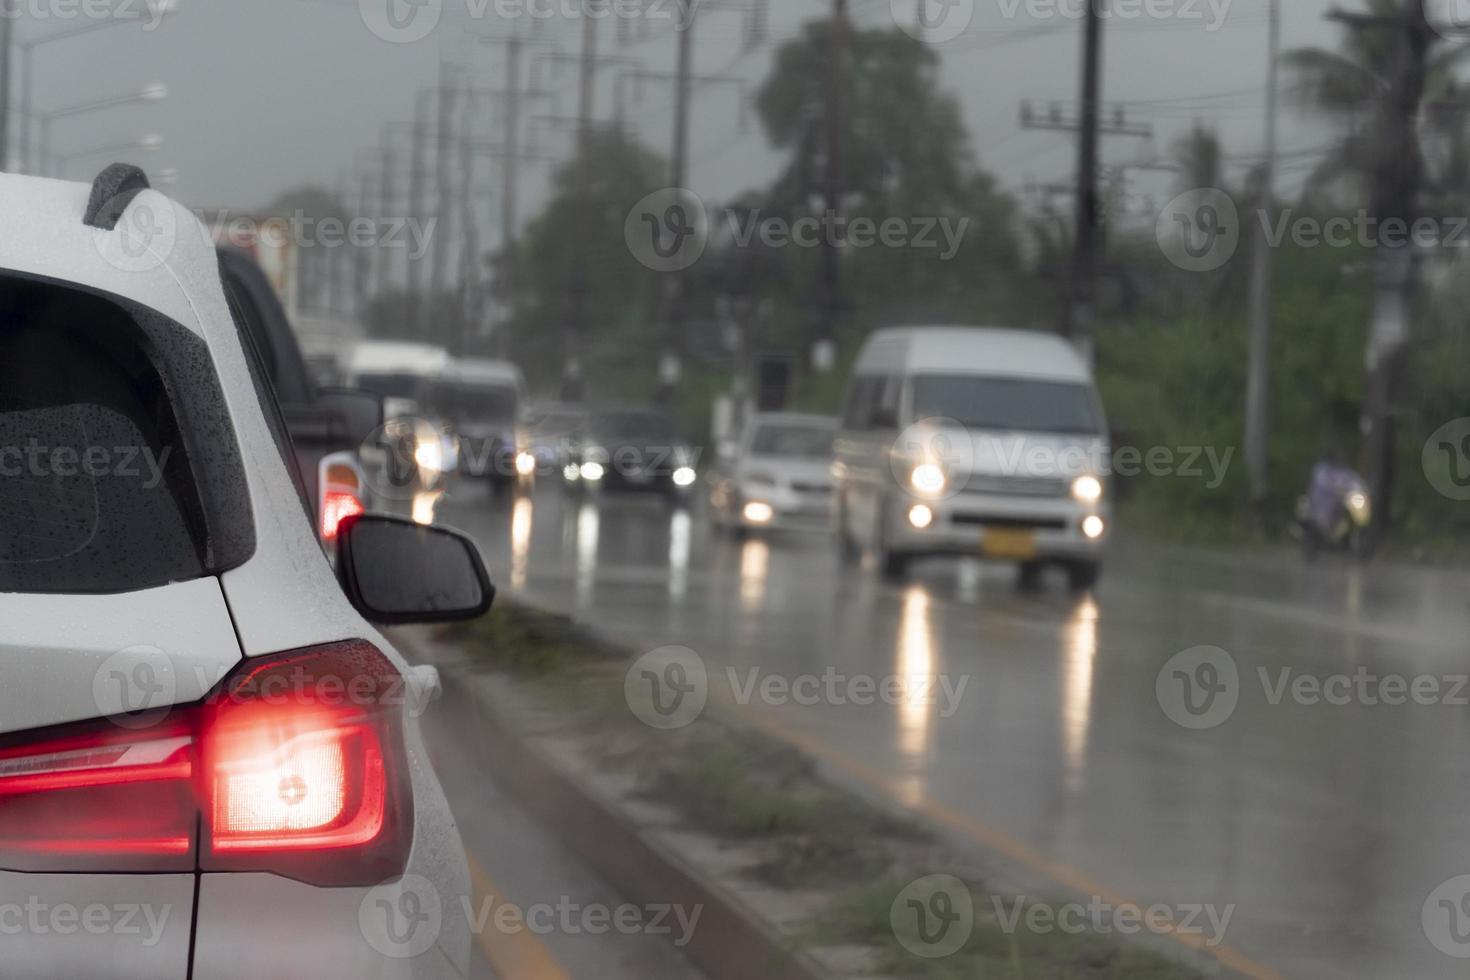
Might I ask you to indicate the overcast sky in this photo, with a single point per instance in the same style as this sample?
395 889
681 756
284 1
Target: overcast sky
271 94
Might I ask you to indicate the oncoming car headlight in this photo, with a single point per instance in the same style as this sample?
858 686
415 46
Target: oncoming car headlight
1087 489
928 478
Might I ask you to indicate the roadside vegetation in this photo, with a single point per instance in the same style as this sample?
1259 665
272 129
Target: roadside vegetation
799 832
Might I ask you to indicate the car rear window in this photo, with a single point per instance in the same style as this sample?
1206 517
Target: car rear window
118 466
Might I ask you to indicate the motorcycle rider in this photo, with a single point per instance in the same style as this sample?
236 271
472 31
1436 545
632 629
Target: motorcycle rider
1332 480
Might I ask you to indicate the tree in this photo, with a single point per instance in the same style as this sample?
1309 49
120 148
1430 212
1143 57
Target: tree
1378 87
906 154
572 263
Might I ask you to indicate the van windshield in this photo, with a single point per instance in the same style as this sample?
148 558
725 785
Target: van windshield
1007 404
385 385
476 403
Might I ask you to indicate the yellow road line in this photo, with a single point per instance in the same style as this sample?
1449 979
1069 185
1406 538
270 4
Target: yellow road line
518 955
1014 849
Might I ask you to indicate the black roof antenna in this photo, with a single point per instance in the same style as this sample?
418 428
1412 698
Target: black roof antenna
112 192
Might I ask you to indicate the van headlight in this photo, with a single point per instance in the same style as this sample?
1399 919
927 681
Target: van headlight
928 479
429 454
1087 489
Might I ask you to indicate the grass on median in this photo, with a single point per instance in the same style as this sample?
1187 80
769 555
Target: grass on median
991 952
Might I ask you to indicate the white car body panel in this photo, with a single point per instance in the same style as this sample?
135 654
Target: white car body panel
70 658
284 597
45 932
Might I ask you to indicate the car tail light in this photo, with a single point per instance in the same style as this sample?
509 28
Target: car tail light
337 506
99 798
295 765
341 498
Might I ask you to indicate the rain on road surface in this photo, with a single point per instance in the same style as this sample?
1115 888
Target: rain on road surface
1326 826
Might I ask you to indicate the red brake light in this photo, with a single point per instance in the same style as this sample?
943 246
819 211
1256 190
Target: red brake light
294 765
303 768
99 798
337 506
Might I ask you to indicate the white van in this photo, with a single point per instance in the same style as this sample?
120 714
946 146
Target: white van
965 441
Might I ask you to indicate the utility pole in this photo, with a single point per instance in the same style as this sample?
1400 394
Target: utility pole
7 37
418 171
1079 322
576 329
386 194
510 186
823 352
1398 174
1258 368
443 146
671 360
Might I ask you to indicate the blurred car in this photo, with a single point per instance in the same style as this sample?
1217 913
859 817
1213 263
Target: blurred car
418 449
552 430
328 426
481 401
982 442
198 716
776 475
631 449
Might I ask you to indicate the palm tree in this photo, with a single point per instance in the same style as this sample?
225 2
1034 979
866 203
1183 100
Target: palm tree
1385 87
1356 87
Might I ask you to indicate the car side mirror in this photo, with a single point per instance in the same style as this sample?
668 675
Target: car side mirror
397 572
359 413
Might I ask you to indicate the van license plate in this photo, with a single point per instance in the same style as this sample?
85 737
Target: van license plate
1005 542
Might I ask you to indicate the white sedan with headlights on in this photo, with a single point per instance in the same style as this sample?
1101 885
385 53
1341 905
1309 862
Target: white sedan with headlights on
777 475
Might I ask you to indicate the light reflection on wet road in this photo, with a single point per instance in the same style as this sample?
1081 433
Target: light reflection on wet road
1326 826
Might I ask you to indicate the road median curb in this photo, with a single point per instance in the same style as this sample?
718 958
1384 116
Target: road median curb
731 943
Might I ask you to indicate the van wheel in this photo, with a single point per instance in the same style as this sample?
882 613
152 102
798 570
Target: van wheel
1083 575
1028 575
891 564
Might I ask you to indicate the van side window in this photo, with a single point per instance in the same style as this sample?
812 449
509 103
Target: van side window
884 414
860 401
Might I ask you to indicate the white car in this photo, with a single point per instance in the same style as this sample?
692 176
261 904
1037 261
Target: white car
210 761
972 441
777 475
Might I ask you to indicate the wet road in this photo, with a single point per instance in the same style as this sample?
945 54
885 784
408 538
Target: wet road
1325 822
